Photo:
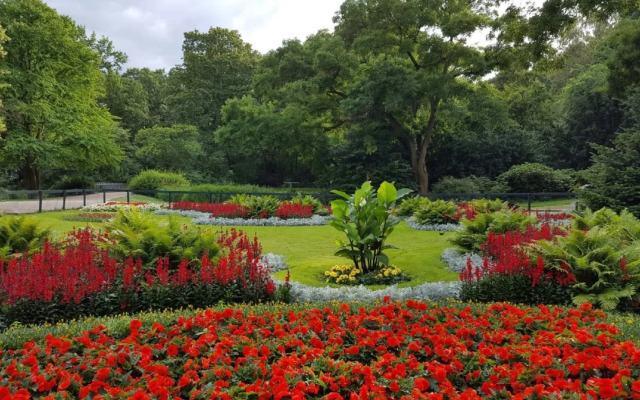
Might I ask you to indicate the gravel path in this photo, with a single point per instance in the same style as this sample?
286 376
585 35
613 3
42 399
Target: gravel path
31 206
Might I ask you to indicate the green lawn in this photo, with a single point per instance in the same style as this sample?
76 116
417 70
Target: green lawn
309 249
547 203
138 198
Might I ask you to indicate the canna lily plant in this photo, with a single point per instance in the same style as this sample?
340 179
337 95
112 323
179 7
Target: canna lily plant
365 219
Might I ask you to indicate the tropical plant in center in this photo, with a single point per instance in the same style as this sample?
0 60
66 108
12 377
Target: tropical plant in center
365 218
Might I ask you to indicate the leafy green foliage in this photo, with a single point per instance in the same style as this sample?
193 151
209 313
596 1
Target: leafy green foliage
515 289
20 234
154 180
175 148
535 178
436 212
605 259
614 176
365 217
474 233
74 182
410 205
257 206
139 235
55 79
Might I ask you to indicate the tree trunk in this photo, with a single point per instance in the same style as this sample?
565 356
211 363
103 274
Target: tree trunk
31 176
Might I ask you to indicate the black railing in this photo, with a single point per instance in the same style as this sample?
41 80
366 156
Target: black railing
172 196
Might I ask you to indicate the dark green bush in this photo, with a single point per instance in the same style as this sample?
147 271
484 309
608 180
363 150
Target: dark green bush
535 178
437 212
515 289
19 234
154 180
74 182
470 184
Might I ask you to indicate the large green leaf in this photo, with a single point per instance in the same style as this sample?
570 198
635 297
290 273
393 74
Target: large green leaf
387 193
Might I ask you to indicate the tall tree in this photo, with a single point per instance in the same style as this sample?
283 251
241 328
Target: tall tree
416 55
51 110
175 148
3 38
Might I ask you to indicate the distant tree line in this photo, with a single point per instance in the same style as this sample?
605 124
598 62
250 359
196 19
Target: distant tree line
399 91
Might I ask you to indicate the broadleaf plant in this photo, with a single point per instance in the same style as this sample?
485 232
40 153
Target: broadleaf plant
365 218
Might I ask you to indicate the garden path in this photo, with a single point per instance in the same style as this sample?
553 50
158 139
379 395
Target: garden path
54 204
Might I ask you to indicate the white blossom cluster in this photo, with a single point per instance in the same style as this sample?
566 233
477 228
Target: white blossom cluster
200 218
433 227
115 207
458 262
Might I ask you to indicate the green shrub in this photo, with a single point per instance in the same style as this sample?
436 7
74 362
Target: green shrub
258 206
605 259
74 182
485 205
514 289
474 233
470 184
155 180
437 212
19 234
535 178
410 205
139 235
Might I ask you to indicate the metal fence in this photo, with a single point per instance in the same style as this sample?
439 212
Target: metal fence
45 200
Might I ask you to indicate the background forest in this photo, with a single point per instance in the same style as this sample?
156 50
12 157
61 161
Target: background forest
399 91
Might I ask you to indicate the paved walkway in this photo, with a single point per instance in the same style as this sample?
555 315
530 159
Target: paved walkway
54 204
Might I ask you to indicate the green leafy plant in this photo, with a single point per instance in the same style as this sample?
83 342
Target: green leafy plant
141 236
536 178
365 217
436 212
486 205
20 234
605 259
474 233
410 205
257 206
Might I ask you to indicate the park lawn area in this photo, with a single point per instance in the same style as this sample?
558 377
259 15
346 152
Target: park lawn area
139 198
547 203
309 249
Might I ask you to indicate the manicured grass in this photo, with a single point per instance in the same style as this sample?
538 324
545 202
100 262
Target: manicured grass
309 252
309 249
138 198
547 203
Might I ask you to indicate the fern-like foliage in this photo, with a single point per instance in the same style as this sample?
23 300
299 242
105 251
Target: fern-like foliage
474 233
19 234
139 235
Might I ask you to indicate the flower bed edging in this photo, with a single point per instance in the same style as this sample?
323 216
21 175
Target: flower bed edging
200 218
432 227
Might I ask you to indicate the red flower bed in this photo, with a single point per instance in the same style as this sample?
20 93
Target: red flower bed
392 351
294 210
225 210
505 254
80 269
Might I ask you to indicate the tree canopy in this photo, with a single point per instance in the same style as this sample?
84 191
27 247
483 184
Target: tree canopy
50 105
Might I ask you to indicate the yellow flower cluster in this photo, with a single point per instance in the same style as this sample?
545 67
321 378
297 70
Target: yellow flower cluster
342 274
387 271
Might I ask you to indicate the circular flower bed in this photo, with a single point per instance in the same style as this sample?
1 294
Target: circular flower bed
392 351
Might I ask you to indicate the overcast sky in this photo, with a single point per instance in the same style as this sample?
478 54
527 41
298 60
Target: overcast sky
151 31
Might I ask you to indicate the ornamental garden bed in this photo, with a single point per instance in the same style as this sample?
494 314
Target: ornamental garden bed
392 350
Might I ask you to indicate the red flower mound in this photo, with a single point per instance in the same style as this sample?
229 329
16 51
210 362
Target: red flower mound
390 351
224 210
294 210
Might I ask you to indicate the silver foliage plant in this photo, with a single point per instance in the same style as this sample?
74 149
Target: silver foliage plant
303 293
200 218
457 261
433 227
